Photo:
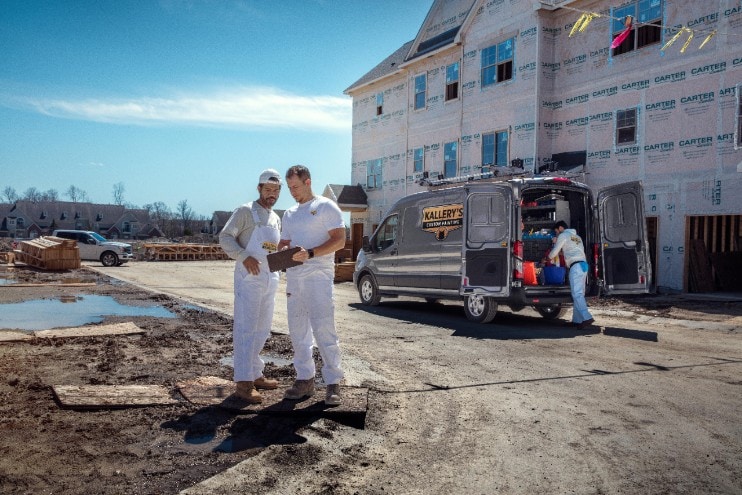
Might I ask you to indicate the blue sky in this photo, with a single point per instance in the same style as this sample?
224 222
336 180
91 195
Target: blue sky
185 99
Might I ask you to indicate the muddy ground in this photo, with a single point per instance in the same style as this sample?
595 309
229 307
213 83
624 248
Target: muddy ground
47 448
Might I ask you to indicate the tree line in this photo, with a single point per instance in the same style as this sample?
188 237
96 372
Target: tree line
174 223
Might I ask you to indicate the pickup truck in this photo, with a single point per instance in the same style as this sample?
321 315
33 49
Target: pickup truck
94 246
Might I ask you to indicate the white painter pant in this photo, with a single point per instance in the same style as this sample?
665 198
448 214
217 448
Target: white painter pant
311 312
254 298
577 279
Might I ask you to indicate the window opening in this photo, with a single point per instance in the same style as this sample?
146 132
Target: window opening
373 174
452 81
379 103
449 159
497 62
419 159
420 90
646 15
495 149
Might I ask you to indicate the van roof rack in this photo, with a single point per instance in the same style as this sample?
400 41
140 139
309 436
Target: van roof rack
502 174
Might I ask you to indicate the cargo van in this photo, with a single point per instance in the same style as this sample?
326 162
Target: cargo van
482 242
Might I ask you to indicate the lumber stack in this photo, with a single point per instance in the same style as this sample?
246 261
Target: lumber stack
183 252
344 271
49 253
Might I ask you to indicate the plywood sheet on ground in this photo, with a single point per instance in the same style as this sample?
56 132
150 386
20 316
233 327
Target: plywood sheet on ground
214 391
107 396
11 336
126 328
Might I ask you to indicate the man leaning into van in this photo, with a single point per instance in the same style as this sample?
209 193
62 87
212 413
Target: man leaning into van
573 249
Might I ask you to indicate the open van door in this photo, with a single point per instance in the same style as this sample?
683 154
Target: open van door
487 240
625 264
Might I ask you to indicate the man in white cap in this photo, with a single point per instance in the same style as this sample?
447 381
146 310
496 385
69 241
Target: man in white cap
251 233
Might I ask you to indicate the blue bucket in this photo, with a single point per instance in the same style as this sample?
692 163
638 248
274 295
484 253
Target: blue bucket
554 275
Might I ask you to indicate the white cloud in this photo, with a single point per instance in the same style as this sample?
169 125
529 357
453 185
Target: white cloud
245 107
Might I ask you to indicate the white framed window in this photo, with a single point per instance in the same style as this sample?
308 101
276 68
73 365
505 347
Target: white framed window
450 159
497 62
452 81
495 149
373 174
421 83
418 156
647 19
626 126
379 103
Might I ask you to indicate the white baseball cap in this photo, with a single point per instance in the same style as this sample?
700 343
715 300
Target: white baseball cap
270 175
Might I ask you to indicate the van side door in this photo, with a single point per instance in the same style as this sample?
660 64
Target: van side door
625 265
487 240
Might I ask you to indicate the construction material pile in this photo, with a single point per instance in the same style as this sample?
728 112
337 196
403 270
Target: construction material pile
49 253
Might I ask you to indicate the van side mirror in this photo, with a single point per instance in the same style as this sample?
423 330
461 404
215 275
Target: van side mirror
366 244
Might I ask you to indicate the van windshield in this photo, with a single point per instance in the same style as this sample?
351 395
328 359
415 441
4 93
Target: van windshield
98 237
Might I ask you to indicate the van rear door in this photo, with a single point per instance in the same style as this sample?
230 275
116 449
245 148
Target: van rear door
486 250
624 253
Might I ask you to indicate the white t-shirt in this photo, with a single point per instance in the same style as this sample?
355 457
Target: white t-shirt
307 225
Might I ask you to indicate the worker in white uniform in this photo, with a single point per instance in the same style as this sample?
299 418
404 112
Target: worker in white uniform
573 249
315 224
251 233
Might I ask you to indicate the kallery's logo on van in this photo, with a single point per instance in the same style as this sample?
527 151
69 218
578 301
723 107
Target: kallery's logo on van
440 220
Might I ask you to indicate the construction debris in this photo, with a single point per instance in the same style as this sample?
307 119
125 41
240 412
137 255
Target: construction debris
183 252
108 396
49 253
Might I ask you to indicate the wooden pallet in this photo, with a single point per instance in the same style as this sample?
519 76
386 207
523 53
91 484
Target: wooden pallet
183 252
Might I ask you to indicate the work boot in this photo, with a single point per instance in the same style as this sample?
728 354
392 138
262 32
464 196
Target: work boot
332 395
300 389
246 391
266 383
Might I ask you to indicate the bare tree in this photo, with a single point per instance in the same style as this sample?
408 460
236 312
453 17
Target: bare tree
185 215
50 195
10 195
76 194
118 193
32 194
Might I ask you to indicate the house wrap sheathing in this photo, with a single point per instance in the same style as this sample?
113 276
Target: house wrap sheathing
491 81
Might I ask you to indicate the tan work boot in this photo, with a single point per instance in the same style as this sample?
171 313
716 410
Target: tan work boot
266 383
332 395
246 391
300 389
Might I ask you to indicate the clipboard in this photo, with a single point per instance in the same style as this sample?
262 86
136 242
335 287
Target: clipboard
280 260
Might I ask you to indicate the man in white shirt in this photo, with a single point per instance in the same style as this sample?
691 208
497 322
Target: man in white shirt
573 249
251 233
315 224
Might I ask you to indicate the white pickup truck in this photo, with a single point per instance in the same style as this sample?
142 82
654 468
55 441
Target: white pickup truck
94 246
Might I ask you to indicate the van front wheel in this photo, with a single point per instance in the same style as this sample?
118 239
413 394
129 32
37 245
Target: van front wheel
368 291
480 309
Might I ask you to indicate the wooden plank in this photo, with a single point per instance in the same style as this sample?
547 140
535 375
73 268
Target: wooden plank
13 336
126 328
107 396
215 391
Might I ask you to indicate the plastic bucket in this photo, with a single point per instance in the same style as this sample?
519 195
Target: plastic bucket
554 275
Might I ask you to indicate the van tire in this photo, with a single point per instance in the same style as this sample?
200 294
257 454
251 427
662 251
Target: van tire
480 309
550 312
109 258
369 291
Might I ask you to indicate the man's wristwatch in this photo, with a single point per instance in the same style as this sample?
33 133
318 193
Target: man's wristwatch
310 252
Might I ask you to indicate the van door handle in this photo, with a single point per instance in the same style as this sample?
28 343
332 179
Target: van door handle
393 252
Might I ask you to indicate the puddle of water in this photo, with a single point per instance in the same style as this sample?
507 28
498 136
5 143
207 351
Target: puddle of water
276 361
69 311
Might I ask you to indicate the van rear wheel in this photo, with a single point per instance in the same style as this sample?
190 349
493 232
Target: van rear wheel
480 309
550 312
369 291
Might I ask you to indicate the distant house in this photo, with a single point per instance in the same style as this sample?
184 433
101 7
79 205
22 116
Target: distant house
29 219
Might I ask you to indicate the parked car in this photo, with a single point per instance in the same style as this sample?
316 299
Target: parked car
479 243
94 246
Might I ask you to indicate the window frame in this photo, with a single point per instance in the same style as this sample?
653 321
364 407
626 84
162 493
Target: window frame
452 85
421 160
452 146
496 63
379 103
622 124
420 90
649 30
373 174
500 149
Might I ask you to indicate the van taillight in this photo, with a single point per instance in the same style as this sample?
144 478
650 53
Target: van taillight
518 257
596 252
